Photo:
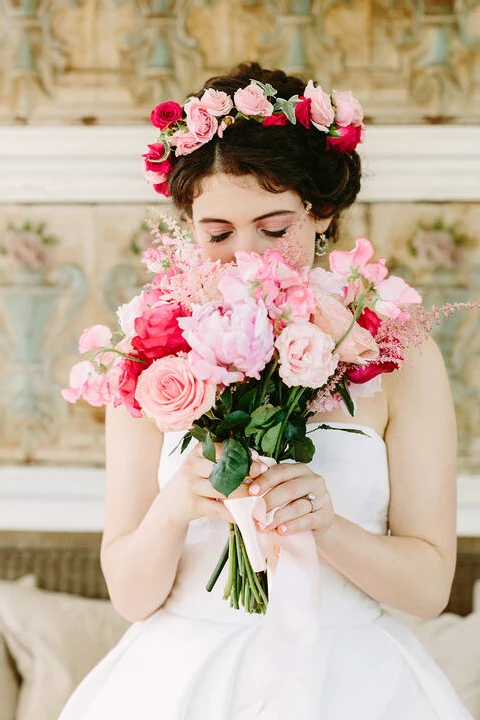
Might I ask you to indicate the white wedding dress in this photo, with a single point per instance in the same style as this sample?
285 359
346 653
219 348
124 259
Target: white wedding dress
324 650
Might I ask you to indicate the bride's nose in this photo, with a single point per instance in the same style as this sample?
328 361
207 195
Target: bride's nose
248 241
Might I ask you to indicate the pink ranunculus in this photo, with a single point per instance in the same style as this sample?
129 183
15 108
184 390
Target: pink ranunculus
84 382
229 341
170 394
217 102
158 332
165 114
200 121
321 109
392 294
345 107
94 337
333 318
185 142
346 140
155 160
278 119
303 111
306 355
344 262
251 100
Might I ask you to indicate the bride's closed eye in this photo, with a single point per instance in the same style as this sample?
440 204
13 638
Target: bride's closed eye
268 233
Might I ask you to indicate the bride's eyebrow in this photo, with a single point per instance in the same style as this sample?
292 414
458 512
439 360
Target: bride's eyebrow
260 217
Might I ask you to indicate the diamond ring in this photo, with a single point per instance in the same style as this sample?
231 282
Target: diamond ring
310 497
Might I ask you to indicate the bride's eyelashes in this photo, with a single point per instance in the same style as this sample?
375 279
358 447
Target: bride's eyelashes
268 233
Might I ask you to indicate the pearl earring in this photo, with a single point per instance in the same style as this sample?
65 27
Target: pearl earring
321 244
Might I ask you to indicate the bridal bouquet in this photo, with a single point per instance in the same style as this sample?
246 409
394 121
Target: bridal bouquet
243 354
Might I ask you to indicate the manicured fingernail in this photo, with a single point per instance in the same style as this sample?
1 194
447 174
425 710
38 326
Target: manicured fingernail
255 455
254 489
261 525
283 529
263 467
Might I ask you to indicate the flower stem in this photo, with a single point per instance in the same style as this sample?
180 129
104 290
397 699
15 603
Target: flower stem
218 568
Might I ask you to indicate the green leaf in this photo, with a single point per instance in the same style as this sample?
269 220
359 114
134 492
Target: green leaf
302 451
263 417
267 88
287 108
226 399
235 419
245 399
208 448
269 440
296 428
183 444
198 433
345 395
232 468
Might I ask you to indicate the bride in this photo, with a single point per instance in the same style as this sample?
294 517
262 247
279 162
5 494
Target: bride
380 505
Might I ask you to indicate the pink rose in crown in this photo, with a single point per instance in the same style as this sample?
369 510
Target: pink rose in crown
94 337
346 140
158 332
170 394
251 100
84 382
229 342
321 109
216 102
348 110
201 123
165 114
185 142
306 355
303 111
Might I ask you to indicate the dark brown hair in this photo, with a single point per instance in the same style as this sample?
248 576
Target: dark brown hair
287 157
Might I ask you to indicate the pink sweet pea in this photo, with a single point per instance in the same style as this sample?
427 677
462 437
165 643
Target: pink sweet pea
251 100
393 293
352 263
85 382
321 110
94 337
228 341
200 121
306 355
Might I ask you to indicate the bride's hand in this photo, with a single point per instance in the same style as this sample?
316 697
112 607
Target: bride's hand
289 485
194 495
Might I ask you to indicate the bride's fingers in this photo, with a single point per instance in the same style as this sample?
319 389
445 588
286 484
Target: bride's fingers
298 516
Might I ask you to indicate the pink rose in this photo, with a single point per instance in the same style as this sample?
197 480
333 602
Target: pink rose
251 100
172 396
335 320
346 140
94 337
229 341
347 108
279 119
185 142
84 382
201 123
321 109
306 355
155 159
158 332
216 102
165 114
303 111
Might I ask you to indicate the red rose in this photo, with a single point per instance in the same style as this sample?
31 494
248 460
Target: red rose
162 189
158 333
347 139
127 385
154 161
165 114
370 321
363 373
280 119
302 111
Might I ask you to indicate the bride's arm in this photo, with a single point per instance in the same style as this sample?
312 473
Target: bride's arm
412 568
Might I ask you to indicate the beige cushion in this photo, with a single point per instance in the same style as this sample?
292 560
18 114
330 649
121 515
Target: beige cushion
55 639
454 643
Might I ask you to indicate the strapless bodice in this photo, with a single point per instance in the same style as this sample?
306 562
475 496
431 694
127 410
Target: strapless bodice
355 469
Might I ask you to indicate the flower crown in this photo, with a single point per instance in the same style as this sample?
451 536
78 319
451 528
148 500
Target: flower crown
187 128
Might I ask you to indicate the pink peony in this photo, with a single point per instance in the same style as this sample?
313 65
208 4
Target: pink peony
201 123
85 382
306 355
170 394
216 102
251 100
348 110
346 140
158 332
393 293
94 337
185 142
321 109
165 114
334 319
229 341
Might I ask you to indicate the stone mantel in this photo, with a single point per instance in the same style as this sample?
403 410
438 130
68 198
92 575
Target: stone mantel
77 164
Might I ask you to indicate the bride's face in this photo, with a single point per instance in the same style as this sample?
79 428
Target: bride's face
234 213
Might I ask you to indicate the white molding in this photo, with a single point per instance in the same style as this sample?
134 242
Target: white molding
72 499
65 164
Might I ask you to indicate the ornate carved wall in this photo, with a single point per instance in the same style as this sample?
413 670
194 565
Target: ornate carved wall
105 62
